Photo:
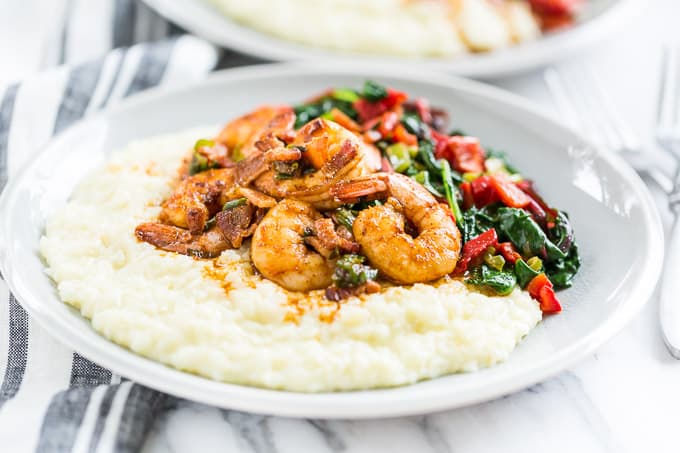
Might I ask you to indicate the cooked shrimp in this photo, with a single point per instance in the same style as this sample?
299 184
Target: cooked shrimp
197 198
200 196
334 152
240 135
173 239
406 259
279 252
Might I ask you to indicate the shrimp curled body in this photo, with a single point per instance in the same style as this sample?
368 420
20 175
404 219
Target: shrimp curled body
279 252
380 230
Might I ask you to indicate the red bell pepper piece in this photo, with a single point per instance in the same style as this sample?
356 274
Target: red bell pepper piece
475 248
441 141
368 110
468 199
541 289
555 7
553 22
388 123
509 193
423 108
509 252
394 98
465 154
483 192
401 135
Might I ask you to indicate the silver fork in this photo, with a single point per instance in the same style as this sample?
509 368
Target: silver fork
584 105
668 137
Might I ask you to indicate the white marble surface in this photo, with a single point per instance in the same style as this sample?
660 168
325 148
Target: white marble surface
625 398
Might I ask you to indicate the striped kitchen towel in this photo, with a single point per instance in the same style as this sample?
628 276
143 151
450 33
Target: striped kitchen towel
51 398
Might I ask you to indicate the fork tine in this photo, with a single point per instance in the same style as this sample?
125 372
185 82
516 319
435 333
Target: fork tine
617 125
557 87
594 99
567 97
591 112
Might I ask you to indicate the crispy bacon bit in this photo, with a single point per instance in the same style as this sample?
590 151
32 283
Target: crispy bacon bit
338 294
328 242
249 169
325 230
268 143
257 198
239 223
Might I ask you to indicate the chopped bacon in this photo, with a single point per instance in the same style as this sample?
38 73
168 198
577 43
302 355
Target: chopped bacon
234 223
327 241
337 294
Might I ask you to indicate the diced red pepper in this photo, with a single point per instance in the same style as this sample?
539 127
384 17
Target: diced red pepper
555 7
541 289
468 199
369 110
441 141
509 252
388 123
394 98
423 109
474 249
465 154
528 188
401 135
549 301
551 22
509 193
483 191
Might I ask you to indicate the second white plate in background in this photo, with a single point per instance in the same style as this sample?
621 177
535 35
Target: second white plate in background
600 19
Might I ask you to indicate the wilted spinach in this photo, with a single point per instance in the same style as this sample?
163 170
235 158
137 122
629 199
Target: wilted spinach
307 112
525 234
561 272
475 222
500 282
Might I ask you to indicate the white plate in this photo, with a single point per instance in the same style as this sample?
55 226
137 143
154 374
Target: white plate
599 19
617 228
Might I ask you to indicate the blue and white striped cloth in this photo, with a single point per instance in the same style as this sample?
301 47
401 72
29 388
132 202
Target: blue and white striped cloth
51 398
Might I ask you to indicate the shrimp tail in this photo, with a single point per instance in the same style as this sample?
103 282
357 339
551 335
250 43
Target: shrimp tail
371 187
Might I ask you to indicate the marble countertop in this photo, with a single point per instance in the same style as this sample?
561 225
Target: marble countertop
625 398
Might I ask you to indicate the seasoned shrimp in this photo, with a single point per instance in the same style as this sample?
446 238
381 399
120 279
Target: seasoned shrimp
173 239
200 196
334 152
406 259
240 135
279 251
197 198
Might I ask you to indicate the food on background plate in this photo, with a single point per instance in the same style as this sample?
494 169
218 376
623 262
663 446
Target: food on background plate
404 27
348 242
